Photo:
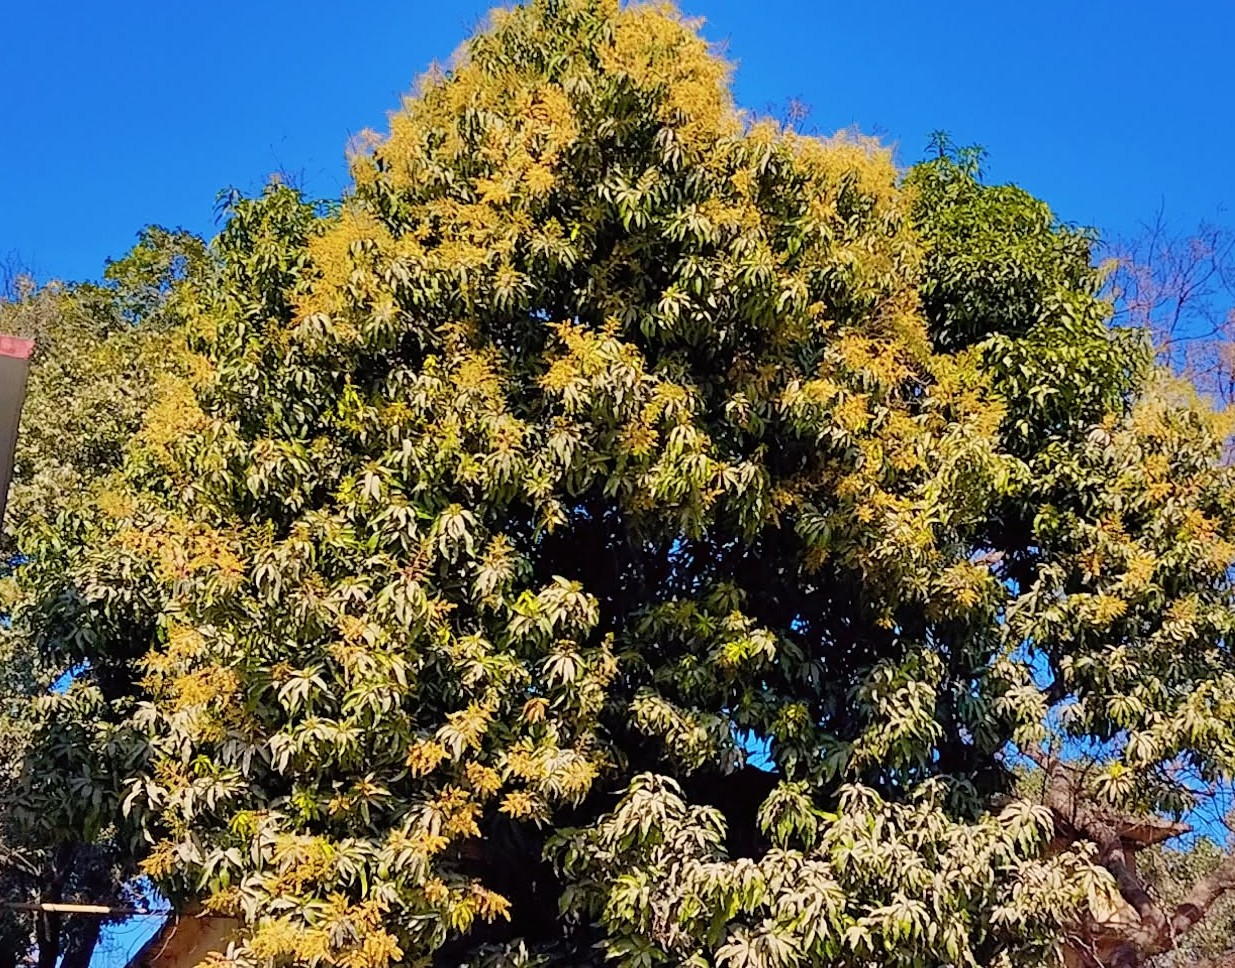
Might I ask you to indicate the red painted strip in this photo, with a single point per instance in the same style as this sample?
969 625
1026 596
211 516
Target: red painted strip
18 349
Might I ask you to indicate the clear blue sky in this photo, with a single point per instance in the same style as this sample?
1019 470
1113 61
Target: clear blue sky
116 115
121 114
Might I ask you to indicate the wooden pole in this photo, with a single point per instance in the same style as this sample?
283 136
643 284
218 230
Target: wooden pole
63 907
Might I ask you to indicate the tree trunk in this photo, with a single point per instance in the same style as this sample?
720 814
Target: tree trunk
48 924
47 933
81 948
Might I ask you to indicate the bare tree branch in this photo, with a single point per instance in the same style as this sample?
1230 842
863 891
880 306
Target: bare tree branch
1181 288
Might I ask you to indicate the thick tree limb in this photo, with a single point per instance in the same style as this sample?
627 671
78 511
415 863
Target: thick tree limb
1118 837
1204 894
1114 856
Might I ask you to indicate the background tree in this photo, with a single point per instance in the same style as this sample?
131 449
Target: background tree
600 435
100 351
1180 287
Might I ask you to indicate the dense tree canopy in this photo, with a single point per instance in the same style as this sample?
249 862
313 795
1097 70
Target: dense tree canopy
101 350
625 528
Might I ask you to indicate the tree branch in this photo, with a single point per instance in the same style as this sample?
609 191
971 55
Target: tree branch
1204 894
16 862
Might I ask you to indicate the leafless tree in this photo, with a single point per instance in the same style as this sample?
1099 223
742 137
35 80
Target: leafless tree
16 277
1181 287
